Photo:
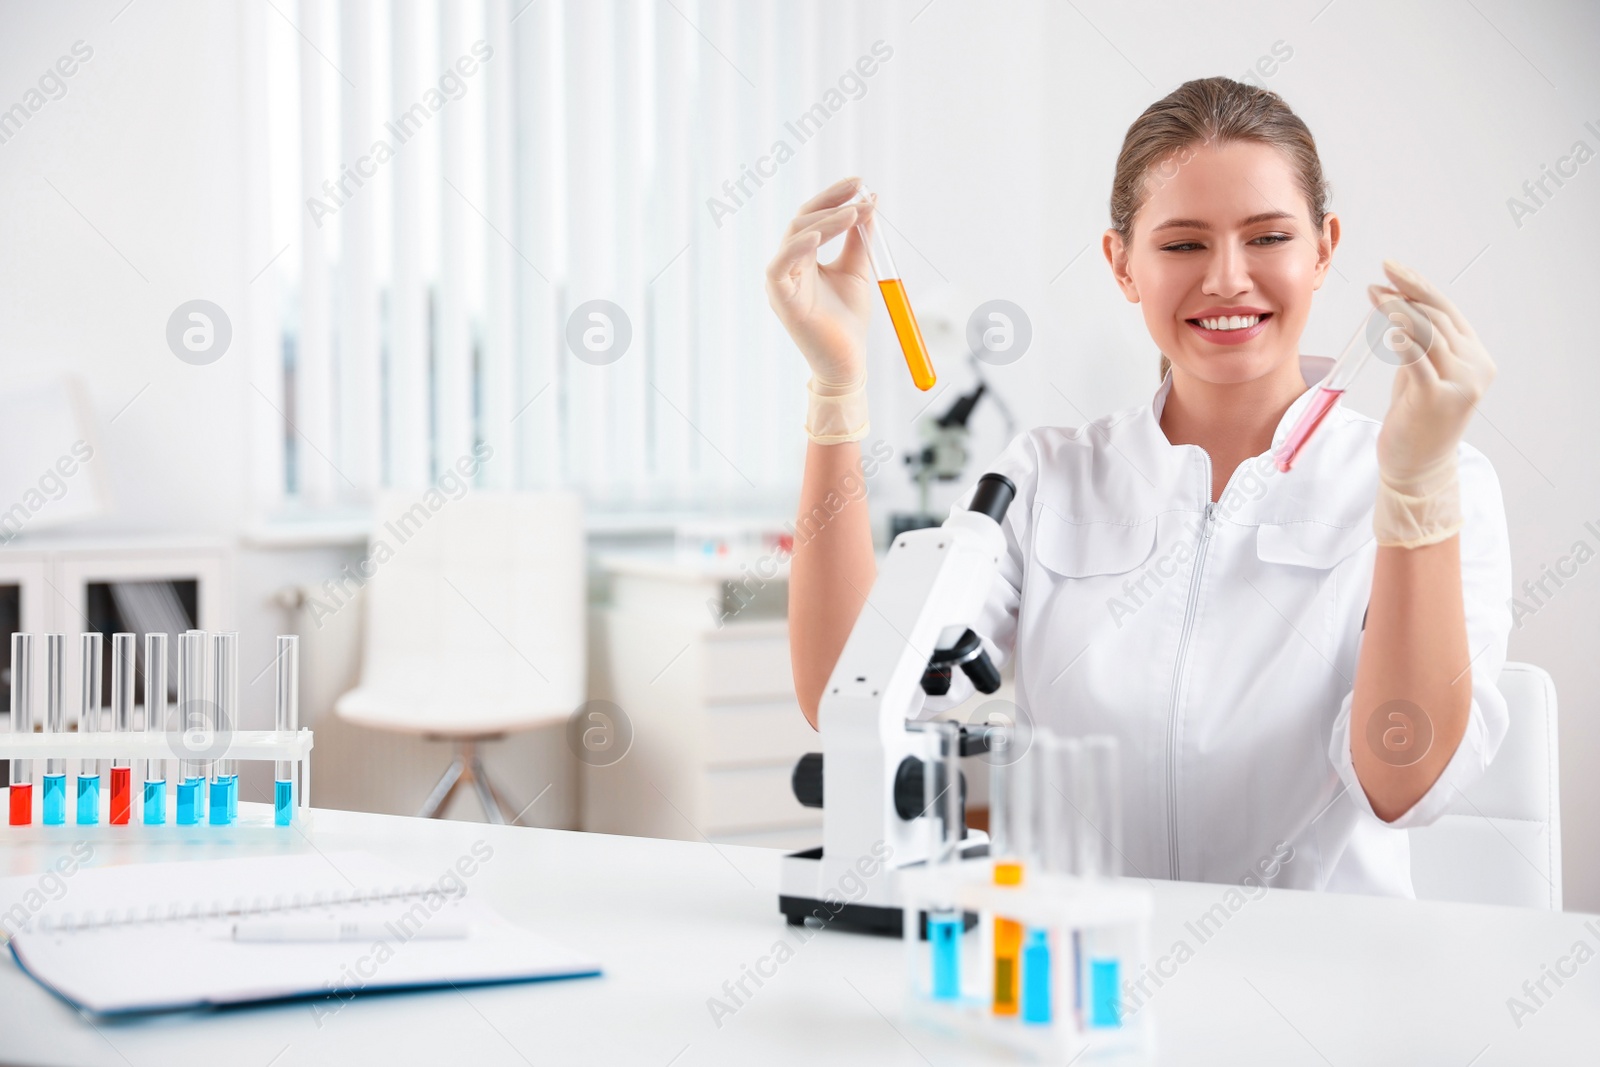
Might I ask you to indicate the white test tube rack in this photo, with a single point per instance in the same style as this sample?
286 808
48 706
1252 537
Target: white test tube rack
1108 912
270 745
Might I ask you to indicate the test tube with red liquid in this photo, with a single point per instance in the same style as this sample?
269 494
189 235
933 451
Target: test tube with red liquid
894 297
1380 327
21 723
124 663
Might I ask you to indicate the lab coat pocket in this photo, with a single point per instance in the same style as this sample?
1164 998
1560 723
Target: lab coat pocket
1323 601
1085 549
1309 543
1077 592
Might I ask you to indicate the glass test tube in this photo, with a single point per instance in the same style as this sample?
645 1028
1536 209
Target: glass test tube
89 691
124 675
893 288
21 808
1378 327
1053 815
224 713
1029 781
941 807
1006 933
1099 797
155 721
194 721
287 721
54 800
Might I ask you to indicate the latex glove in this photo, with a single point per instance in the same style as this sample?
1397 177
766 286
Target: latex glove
826 308
1434 396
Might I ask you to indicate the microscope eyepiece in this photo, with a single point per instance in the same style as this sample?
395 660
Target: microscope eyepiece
993 495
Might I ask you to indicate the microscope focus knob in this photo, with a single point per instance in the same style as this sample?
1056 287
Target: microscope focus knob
908 799
807 780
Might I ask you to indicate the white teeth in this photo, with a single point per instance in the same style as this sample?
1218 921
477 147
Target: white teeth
1231 322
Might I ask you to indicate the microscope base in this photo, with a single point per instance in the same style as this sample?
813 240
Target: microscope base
799 876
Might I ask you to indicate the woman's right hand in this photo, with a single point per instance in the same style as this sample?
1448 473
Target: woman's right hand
826 306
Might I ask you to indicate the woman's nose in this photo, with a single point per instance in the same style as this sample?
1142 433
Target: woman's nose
1227 272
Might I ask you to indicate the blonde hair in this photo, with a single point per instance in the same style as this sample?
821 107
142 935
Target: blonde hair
1202 112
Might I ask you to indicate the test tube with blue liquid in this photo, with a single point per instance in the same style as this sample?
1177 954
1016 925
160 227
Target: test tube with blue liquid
155 721
21 797
1040 831
287 722
192 715
941 807
54 799
1098 797
224 712
89 723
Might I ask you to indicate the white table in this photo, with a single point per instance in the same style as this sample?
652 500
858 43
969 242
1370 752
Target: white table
1289 978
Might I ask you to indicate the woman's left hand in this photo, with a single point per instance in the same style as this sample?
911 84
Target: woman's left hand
1435 389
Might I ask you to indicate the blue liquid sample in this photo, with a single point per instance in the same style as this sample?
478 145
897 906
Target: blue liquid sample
219 802
155 803
1035 977
1104 999
231 784
55 799
88 799
944 937
189 801
282 802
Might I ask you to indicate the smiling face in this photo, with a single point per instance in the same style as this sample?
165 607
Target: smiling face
1223 260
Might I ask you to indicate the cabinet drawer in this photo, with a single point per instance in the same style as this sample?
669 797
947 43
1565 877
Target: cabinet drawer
748 668
763 732
749 798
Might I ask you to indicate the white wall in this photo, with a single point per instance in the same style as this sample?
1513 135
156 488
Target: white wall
1007 120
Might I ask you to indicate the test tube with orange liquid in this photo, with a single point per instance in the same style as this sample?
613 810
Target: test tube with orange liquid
894 297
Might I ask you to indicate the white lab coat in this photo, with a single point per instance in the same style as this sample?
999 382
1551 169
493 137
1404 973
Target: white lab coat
1218 642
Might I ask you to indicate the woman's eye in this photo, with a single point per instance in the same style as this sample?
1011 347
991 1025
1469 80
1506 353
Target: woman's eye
1270 238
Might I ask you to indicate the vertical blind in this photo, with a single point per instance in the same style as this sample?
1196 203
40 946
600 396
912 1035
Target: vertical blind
448 182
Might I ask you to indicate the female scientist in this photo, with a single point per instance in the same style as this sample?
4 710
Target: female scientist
1296 666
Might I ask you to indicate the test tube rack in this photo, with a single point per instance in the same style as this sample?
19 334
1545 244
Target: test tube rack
273 745
1096 932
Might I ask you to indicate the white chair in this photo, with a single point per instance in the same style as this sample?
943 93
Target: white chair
1500 842
474 627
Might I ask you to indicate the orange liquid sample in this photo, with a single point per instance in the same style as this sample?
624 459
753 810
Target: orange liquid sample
909 333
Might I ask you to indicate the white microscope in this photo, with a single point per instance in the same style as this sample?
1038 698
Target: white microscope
913 632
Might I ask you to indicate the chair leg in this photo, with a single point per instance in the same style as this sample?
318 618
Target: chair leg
485 790
443 791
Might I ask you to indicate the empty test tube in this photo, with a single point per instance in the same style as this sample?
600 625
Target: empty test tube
124 672
54 800
21 808
224 715
155 721
194 719
89 692
288 721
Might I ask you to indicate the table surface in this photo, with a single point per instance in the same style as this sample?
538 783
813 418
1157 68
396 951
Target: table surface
1289 977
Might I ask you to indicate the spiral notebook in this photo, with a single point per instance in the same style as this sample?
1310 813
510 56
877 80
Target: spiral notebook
159 936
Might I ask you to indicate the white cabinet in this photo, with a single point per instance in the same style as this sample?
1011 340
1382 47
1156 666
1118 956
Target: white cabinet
716 728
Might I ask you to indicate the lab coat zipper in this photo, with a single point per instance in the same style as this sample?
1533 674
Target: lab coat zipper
1177 675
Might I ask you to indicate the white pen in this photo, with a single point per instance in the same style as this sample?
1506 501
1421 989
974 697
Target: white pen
346 930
